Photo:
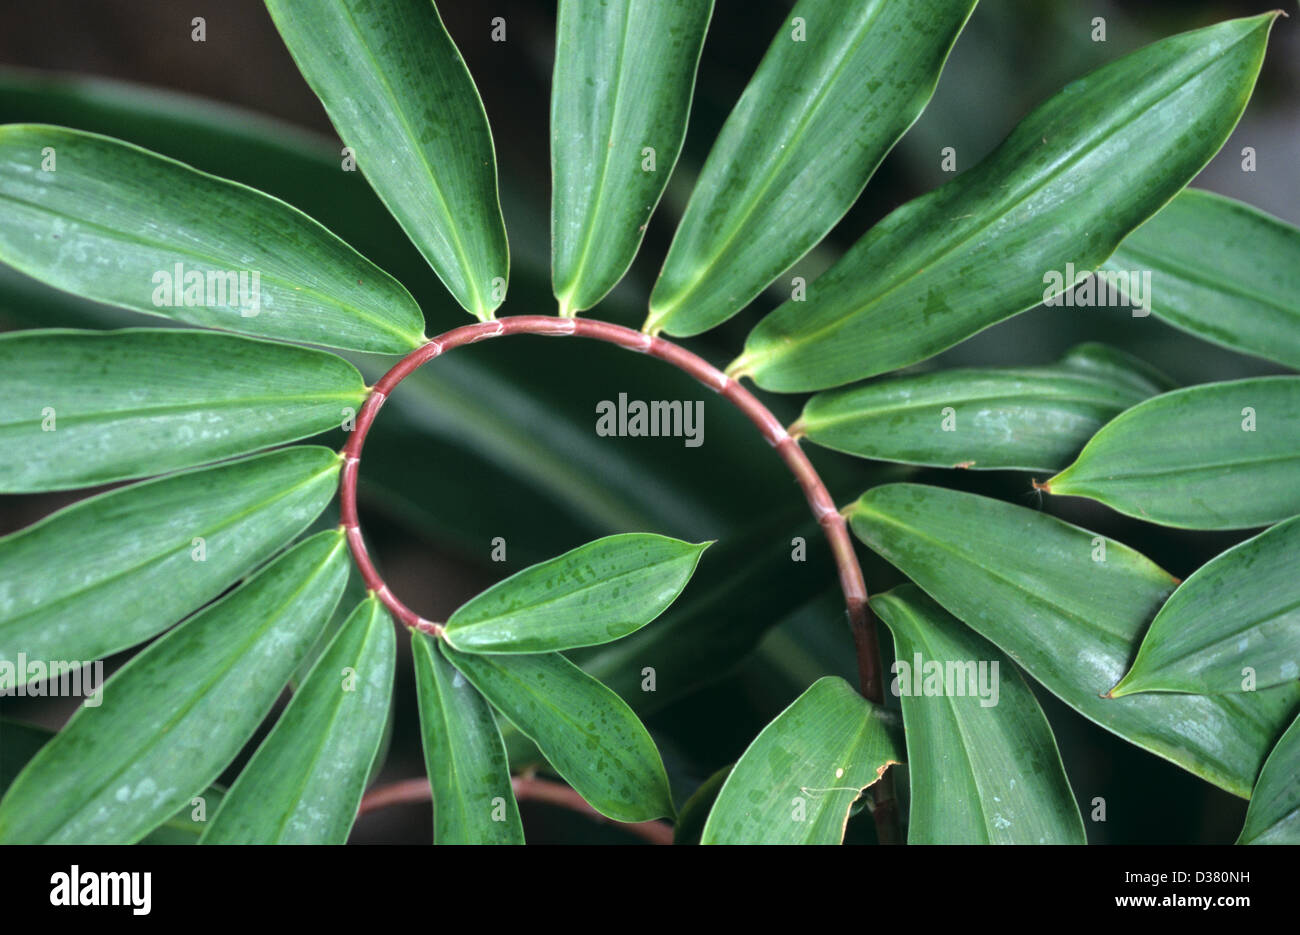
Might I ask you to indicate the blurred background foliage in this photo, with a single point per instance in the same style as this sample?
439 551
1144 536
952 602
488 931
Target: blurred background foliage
498 440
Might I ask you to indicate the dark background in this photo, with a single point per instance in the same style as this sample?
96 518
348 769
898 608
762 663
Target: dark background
499 441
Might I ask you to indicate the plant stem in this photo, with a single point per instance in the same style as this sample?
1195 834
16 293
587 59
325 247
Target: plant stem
861 620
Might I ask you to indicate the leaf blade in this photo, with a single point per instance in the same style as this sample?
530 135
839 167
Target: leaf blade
401 97
914 284
597 218
808 132
119 224
980 774
181 709
1274 813
596 593
823 750
304 783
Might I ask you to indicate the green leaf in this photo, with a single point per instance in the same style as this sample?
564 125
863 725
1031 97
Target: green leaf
593 594
463 755
695 811
982 760
1216 456
836 90
179 711
797 780
184 827
113 570
79 408
587 732
1223 271
304 783
1069 183
1068 606
400 96
112 222
1027 418
1241 610
1274 813
620 97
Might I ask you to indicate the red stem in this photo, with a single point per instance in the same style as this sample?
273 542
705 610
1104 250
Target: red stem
527 789
861 620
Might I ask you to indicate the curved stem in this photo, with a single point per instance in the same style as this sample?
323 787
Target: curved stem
852 584
526 789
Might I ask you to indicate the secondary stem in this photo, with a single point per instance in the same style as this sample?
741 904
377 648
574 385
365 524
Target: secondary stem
852 584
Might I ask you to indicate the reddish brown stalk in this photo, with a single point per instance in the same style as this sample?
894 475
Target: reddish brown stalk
861 620
527 789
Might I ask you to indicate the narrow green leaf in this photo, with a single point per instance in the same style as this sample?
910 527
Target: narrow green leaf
587 732
112 222
305 781
188 824
1069 183
1027 418
1234 625
593 594
690 822
620 97
400 96
1222 270
1216 456
1069 606
79 408
177 713
113 570
1274 813
838 87
797 780
983 764
473 802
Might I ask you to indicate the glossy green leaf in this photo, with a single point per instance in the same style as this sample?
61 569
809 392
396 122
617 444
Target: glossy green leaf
1274 813
400 96
620 96
304 783
1069 183
110 571
1026 418
1234 625
79 408
118 224
1069 606
593 594
796 782
1216 456
982 761
464 757
587 732
1222 270
838 87
179 712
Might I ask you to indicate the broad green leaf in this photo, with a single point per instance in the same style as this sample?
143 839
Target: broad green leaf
464 757
305 781
1234 625
620 96
1069 183
179 711
112 222
838 87
113 570
400 96
79 408
1216 456
1223 271
1274 813
593 594
796 782
1027 418
983 764
1069 606
587 732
